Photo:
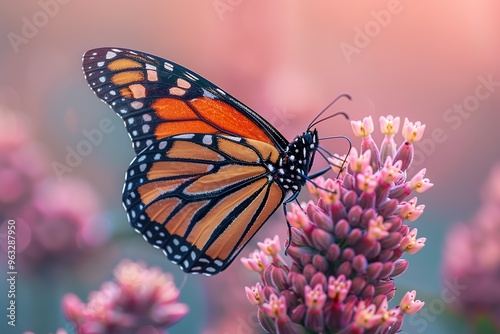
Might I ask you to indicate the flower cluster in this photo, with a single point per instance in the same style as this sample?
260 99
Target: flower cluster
141 300
56 221
472 256
346 246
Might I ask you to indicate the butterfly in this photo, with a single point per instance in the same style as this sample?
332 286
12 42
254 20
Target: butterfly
208 171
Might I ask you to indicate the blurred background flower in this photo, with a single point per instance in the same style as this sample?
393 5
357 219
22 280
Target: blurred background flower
56 222
139 300
471 259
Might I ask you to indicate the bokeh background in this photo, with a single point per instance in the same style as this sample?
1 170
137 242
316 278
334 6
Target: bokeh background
286 60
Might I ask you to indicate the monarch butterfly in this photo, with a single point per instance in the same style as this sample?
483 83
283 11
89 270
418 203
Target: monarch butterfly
209 171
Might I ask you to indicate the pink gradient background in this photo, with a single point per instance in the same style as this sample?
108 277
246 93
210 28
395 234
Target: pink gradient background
271 55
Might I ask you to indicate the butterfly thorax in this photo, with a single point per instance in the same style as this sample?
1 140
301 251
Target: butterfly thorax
295 162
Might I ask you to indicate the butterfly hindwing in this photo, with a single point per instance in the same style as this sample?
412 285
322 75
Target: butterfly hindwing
157 98
200 197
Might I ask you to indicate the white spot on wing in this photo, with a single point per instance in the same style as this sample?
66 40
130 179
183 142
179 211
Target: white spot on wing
110 55
136 105
206 93
191 76
168 66
185 136
207 140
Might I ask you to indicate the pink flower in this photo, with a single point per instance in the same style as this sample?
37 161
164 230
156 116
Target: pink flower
257 261
411 244
389 125
270 247
409 305
345 248
471 257
363 128
58 222
138 299
338 288
410 210
255 294
413 132
419 184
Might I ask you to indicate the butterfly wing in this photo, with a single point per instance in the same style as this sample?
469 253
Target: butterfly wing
157 99
201 197
201 184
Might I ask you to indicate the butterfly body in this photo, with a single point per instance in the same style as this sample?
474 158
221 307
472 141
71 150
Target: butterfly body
209 171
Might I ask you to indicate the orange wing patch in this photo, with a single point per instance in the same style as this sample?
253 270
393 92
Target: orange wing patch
206 111
231 174
123 63
159 211
171 109
151 191
186 150
127 77
180 222
228 118
163 169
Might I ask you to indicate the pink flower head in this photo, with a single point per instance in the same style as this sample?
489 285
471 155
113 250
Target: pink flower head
389 317
363 128
338 288
338 164
315 298
389 125
366 316
276 307
297 217
419 184
358 163
410 211
257 261
377 229
411 244
255 294
413 132
313 187
139 298
270 247
409 305
331 192
346 245
367 182
390 173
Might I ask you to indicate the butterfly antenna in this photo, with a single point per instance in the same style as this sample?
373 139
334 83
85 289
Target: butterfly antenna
331 116
313 122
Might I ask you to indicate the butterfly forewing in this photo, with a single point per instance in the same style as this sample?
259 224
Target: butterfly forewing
200 197
157 98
